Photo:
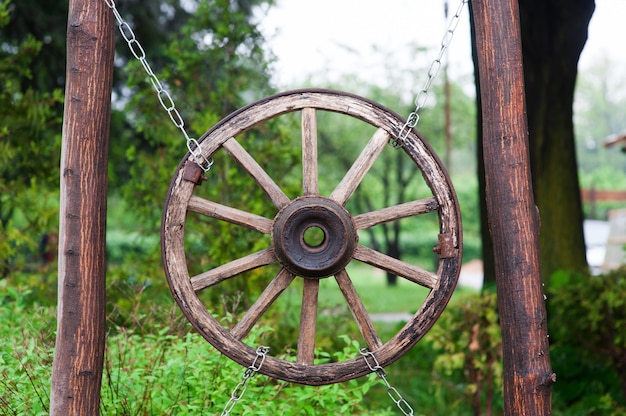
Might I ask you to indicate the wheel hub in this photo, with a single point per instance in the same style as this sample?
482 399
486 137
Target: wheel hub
314 237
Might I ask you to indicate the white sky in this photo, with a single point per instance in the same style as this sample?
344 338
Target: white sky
332 37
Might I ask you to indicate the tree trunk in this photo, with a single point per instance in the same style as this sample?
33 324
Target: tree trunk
513 217
553 35
79 351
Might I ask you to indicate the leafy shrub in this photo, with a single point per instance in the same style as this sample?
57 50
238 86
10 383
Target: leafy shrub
469 345
588 334
456 368
30 139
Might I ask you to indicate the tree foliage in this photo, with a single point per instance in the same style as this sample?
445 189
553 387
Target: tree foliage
29 148
588 332
211 58
469 342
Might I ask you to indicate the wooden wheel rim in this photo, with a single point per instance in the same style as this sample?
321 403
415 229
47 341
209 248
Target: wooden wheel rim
444 201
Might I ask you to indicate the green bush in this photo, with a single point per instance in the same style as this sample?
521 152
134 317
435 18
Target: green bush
456 368
587 323
468 343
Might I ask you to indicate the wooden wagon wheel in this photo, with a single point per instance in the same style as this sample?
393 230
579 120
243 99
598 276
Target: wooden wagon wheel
296 257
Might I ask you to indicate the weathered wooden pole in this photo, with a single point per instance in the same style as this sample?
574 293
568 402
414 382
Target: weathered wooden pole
79 350
513 216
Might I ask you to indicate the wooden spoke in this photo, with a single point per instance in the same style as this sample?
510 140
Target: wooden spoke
261 177
402 269
360 167
269 295
232 269
232 215
358 311
396 212
308 322
309 152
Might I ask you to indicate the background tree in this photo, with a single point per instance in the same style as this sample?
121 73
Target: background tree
553 35
30 128
153 22
32 74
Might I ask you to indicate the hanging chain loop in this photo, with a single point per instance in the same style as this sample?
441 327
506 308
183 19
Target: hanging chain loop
392 392
422 97
240 389
163 95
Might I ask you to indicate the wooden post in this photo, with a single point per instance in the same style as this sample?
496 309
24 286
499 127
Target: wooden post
79 351
513 216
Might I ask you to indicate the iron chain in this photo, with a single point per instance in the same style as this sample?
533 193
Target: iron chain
163 95
240 389
422 97
392 392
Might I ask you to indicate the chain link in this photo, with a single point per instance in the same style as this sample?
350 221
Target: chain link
422 96
164 96
240 389
392 392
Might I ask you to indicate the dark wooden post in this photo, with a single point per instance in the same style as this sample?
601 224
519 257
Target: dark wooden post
79 351
513 216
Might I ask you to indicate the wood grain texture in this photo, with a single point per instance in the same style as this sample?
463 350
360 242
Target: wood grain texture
412 273
309 152
229 214
308 322
233 268
513 217
261 177
405 210
362 318
80 339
